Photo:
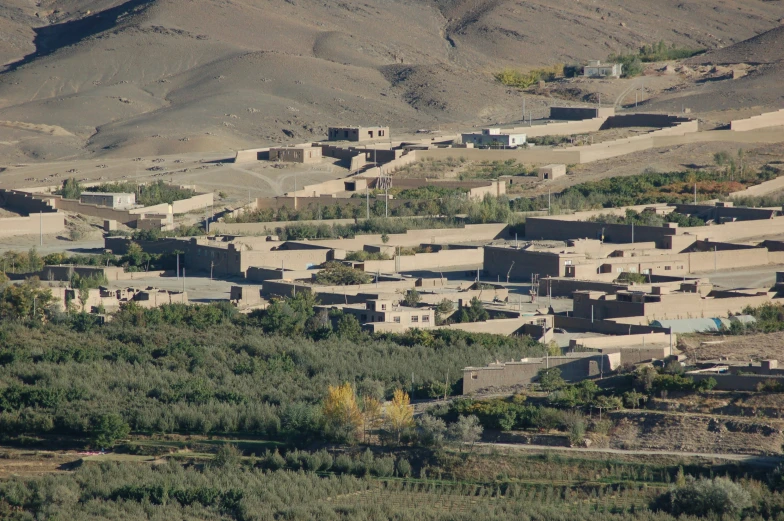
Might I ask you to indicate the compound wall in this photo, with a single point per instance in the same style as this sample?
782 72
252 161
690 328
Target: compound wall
769 119
47 223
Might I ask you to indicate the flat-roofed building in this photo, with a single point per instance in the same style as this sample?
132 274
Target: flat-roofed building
358 134
384 311
597 69
494 138
296 154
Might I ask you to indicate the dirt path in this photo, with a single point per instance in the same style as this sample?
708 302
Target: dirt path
763 461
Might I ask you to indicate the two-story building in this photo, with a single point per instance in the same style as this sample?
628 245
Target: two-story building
379 315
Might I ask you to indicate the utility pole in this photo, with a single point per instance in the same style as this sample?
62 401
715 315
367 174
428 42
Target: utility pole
41 230
212 265
178 266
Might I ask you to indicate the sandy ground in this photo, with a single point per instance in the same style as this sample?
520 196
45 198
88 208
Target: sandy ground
85 87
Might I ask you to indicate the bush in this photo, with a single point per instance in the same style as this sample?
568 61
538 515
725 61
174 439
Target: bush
343 464
718 496
403 468
337 274
383 467
431 431
227 456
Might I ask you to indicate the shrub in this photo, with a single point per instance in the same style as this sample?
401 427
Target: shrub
383 467
343 464
431 431
227 456
337 274
718 496
403 468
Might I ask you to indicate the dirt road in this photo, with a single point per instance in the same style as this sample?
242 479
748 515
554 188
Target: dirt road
763 461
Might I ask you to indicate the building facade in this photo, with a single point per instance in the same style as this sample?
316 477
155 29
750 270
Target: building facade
595 69
387 311
359 134
296 154
118 201
494 138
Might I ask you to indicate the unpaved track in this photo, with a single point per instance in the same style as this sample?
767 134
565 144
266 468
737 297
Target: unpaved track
762 461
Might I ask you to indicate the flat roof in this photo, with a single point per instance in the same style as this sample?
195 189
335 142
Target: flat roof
108 193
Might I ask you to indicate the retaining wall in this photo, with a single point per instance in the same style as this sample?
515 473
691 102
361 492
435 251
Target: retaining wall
734 382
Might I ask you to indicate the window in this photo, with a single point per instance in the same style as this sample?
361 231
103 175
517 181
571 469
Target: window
619 270
425 318
474 376
383 307
667 268
567 263
396 320
415 319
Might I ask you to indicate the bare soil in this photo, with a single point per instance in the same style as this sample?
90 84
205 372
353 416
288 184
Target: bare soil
127 78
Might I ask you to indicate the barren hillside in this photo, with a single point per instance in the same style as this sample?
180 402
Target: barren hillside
139 77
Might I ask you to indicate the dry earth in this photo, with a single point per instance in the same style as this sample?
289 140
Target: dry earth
151 77
744 347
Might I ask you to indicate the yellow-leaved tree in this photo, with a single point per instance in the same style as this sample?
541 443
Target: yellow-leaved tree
399 415
342 417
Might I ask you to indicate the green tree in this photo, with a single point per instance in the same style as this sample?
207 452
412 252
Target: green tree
465 430
349 328
412 298
107 429
227 456
71 189
444 308
550 379
606 403
27 300
431 431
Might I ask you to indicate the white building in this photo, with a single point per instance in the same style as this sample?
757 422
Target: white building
595 69
493 137
118 201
